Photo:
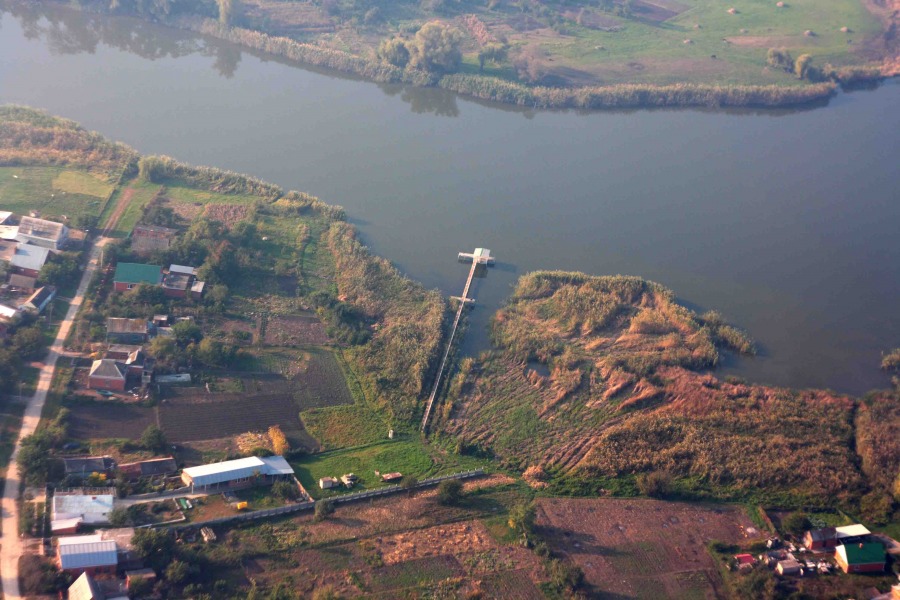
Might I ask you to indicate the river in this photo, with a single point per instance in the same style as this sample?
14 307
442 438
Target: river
784 221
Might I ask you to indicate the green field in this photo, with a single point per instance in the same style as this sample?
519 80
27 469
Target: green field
409 457
54 191
142 193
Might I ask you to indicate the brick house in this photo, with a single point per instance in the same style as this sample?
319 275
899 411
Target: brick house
860 558
107 374
130 275
127 331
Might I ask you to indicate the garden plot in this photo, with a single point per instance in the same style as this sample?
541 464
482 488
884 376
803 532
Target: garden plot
299 330
225 415
104 420
642 548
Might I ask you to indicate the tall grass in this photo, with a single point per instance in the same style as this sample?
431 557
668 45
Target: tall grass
160 169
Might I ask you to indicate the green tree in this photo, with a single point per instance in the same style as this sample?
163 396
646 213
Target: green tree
450 492
495 53
187 332
394 51
796 523
323 510
436 48
155 547
522 517
780 58
802 66
409 484
285 490
29 343
154 439
177 572
119 517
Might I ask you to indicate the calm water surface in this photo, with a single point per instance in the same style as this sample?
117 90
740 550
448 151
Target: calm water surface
786 222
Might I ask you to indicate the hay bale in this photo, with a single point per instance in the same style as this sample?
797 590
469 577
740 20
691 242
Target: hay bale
845 29
779 4
743 31
697 26
809 33
732 11
688 41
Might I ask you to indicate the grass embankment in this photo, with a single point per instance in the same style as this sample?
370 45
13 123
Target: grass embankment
594 385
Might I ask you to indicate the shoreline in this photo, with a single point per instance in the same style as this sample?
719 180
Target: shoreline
510 93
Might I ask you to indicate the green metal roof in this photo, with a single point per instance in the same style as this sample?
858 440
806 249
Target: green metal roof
864 554
138 273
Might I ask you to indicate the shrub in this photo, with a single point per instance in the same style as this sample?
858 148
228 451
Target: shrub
450 492
796 523
323 510
657 484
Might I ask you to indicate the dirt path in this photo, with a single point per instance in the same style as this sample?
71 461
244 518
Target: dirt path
113 219
12 545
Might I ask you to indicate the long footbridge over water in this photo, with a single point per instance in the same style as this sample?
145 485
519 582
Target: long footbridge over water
481 256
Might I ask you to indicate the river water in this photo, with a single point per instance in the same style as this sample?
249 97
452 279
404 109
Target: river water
785 221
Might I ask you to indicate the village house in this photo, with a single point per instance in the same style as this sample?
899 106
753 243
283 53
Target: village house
38 301
828 538
149 468
238 473
107 374
7 250
86 554
23 282
85 588
41 232
127 331
121 351
175 285
92 509
149 238
130 275
83 466
860 557
28 260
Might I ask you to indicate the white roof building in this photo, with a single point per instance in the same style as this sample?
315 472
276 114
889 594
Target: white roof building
851 531
85 588
4 215
236 470
91 509
30 257
9 232
41 232
8 312
86 551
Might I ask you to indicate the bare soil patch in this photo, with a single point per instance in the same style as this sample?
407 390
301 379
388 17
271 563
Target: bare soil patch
762 41
108 420
220 415
187 211
642 548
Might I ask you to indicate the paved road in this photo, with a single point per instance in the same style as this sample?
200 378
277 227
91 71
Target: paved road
11 545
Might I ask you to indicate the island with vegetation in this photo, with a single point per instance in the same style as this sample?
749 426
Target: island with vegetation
593 436
601 54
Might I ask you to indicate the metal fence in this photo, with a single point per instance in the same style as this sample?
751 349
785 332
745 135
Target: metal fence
343 499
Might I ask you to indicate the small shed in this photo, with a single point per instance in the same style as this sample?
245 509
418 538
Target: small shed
392 477
39 300
745 561
326 483
788 567
349 480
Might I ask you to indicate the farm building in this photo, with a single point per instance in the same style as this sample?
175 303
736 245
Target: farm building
860 558
138 575
121 351
107 374
127 331
87 554
91 509
23 282
391 477
149 238
41 232
848 534
326 483
197 289
183 270
85 588
175 285
821 539
130 275
28 260
39 300
7 250
788 567
238 473
149 468
83 466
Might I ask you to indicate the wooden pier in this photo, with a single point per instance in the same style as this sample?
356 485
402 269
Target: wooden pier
481 256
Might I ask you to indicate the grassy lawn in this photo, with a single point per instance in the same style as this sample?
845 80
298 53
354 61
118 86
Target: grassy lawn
409 457
259 498
344 426
54 191
142 194
180 193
